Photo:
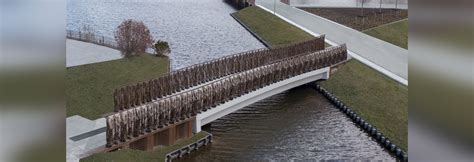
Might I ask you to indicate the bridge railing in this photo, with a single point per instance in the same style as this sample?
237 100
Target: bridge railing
138 94
138 121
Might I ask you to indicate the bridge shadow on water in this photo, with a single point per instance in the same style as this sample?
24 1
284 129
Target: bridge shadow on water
297 124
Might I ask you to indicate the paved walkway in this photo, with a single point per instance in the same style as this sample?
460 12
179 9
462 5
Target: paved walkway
402 4
83 136
80 53
386 58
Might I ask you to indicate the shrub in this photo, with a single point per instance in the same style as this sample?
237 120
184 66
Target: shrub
161 48
133 38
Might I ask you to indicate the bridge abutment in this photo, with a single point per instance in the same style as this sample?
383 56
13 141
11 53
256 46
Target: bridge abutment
164 136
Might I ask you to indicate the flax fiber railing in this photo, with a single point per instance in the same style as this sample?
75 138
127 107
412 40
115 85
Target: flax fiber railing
136 122
138 94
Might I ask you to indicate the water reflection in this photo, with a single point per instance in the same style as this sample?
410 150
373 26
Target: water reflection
299 124
197 30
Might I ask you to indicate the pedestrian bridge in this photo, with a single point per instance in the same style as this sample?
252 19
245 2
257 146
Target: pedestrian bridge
231 106
159 111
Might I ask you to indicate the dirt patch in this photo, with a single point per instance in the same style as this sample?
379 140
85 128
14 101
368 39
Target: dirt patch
352 17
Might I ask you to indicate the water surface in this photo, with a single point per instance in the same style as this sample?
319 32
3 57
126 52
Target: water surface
197 30
299 124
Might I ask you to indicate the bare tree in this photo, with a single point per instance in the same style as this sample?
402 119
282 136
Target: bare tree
380 8
362 2
396 8
133 38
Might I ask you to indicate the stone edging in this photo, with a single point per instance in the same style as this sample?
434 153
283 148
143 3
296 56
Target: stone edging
188 148
364 125
265 43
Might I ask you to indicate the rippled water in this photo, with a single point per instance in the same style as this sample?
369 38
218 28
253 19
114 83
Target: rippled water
299 124
197 30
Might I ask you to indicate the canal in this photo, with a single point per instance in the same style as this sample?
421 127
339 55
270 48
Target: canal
297 124
197 30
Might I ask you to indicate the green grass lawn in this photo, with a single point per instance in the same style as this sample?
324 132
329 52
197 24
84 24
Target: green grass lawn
158 154
89 88
377 98
395 33
271 28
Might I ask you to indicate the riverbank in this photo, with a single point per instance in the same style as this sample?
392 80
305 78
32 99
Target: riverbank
159 154
270 28
377 98
251 32
90 88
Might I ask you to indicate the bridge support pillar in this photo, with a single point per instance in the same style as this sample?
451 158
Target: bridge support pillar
197 125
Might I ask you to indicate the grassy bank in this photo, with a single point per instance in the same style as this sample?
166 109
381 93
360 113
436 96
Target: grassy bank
385 24
89 88
395 33
375 97
158 154
271 28
351 18
378 99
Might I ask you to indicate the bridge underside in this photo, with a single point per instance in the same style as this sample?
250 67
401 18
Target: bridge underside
219 111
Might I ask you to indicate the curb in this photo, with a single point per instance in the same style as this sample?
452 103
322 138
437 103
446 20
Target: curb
265 43
364 125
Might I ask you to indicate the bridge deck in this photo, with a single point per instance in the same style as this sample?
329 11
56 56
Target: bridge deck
206 117
128 125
